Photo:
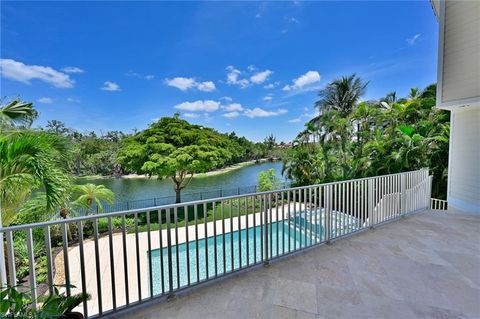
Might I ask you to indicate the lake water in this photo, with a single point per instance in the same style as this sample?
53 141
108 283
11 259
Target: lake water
140 188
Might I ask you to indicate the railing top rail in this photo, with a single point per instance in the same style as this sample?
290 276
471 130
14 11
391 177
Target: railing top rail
173 206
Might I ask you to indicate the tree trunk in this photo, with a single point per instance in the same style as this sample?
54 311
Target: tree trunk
178 198
78 165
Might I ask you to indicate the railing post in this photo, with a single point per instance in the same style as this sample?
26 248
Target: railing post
3 268
429 191
265 221
328 213
403 194
171 295
372 218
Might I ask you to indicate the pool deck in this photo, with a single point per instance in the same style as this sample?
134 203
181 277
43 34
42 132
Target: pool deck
422 266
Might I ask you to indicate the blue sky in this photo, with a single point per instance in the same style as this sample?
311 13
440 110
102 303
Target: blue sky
251 67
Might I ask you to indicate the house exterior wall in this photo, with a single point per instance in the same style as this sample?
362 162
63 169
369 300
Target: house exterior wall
461 59
464 161
458 53
458 90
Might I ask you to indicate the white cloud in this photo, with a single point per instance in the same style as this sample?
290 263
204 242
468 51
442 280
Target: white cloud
295 120
304 80
72 69
269 86
132 73
45 100
197 106
207 86
24 73
110 86
260 77
184 84
293 20
306 115
268 98
413 39
233 107
226 98
258 112
71 99
231 115
191 115
181 83
233 77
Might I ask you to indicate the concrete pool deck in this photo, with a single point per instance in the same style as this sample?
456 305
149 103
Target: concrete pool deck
423 266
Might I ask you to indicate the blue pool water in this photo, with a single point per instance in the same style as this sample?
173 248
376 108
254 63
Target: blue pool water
291 235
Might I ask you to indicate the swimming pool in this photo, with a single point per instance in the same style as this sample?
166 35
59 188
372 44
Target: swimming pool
299 231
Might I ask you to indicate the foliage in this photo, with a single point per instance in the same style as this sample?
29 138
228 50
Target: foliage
17 304
14 303
91 194
362 139
268 180
341 95
92 154
89 153
175 149
16 112
31 160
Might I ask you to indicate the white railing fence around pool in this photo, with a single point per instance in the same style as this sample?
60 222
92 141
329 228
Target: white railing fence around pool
438 204
124 258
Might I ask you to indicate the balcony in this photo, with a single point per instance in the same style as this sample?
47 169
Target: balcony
422 266
264 254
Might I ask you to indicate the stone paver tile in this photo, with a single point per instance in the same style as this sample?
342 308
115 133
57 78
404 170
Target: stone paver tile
292 294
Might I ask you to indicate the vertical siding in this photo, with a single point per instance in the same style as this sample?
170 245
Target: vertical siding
461 54
464 176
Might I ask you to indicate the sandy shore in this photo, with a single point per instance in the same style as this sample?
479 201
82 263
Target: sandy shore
200 175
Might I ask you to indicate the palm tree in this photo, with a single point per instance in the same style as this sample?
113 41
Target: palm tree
363 116
89 194
390 98
31 160
414 94
17 112
311 128
341 94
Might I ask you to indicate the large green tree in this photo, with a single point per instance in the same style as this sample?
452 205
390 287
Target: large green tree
175 149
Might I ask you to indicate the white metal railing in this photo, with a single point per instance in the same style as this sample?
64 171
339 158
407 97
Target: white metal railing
124 258
438 204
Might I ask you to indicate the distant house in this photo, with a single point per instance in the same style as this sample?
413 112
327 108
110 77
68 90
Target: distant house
458 90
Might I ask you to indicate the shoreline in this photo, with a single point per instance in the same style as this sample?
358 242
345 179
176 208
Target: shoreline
198 175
